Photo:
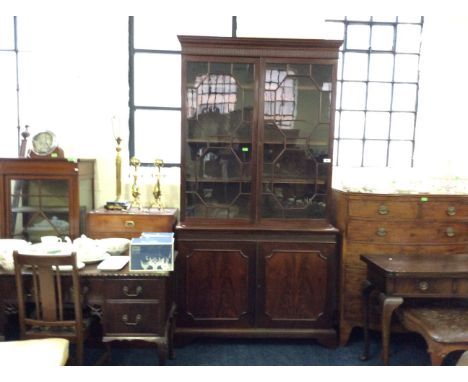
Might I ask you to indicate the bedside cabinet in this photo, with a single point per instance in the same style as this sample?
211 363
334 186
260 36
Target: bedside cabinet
102 223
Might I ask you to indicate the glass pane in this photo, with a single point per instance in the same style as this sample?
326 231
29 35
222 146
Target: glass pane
157 80
350 153
400 154
375 154
7 38
358 37
377 125
409 19
406 68
351 124
408 38
155 32
8 117
220 99
353 95
381 67
382 37
157 135
404 97
210 200
402 126
355 66
39 208
384 18
379 96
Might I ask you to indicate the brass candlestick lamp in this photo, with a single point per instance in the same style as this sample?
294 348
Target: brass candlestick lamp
135 187
157 194
118 203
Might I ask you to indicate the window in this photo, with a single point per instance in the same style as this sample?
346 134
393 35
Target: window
377 96
154 77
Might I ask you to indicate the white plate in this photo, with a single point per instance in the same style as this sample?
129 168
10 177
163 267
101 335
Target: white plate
95 258
113 263
79 265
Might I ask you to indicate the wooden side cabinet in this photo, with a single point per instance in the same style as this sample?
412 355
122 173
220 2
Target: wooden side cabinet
40 197
102 223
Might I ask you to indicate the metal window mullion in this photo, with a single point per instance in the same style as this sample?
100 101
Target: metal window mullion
366 97
131 86
395 28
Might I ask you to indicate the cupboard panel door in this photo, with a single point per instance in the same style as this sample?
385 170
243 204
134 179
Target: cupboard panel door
217 284
295 284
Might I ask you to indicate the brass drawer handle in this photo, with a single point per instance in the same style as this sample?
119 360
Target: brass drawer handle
450 232
129 224
381 231
383 210
135 323
138 291
423 286
451 211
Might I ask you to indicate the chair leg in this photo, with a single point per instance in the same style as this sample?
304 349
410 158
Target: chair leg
437 358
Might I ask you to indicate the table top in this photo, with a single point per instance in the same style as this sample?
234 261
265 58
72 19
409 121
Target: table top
427 265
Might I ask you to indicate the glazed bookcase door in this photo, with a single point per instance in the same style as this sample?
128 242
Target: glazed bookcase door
219 123
296 135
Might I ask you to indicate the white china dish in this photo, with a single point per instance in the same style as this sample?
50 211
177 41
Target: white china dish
115 245
7 246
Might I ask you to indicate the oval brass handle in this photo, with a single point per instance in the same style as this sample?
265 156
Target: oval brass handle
450 232
134 323
381 231
383 210
129 223
451 211
138 291
423 285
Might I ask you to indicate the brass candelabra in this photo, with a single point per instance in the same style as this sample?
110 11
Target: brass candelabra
136 203
157 194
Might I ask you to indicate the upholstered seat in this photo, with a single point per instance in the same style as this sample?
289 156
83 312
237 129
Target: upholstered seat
463 360
444 327
41 352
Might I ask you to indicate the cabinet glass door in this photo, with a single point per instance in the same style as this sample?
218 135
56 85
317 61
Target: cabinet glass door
39 207
219 113
296 125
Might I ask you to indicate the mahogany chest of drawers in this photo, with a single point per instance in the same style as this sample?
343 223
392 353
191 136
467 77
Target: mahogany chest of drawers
406 224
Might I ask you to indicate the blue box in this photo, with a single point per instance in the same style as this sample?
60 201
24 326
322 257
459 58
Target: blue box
152 254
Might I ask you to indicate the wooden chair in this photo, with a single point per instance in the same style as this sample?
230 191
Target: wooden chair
56 310
444 326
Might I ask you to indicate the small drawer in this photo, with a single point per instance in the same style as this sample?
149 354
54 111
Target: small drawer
142 317
135 289
382 209
424 286
446 210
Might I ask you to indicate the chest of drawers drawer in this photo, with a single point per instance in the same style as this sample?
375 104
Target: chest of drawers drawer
139 317
407 232
136 289
382 209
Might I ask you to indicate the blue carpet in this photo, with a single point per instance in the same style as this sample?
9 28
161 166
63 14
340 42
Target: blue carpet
407 349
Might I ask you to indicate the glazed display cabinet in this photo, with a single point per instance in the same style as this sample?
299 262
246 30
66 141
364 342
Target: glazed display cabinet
40 197
257 254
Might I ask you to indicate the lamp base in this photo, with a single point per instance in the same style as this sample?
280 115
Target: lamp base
117 206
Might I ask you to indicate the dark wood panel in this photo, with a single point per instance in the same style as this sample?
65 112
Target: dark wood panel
216 284
296 284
